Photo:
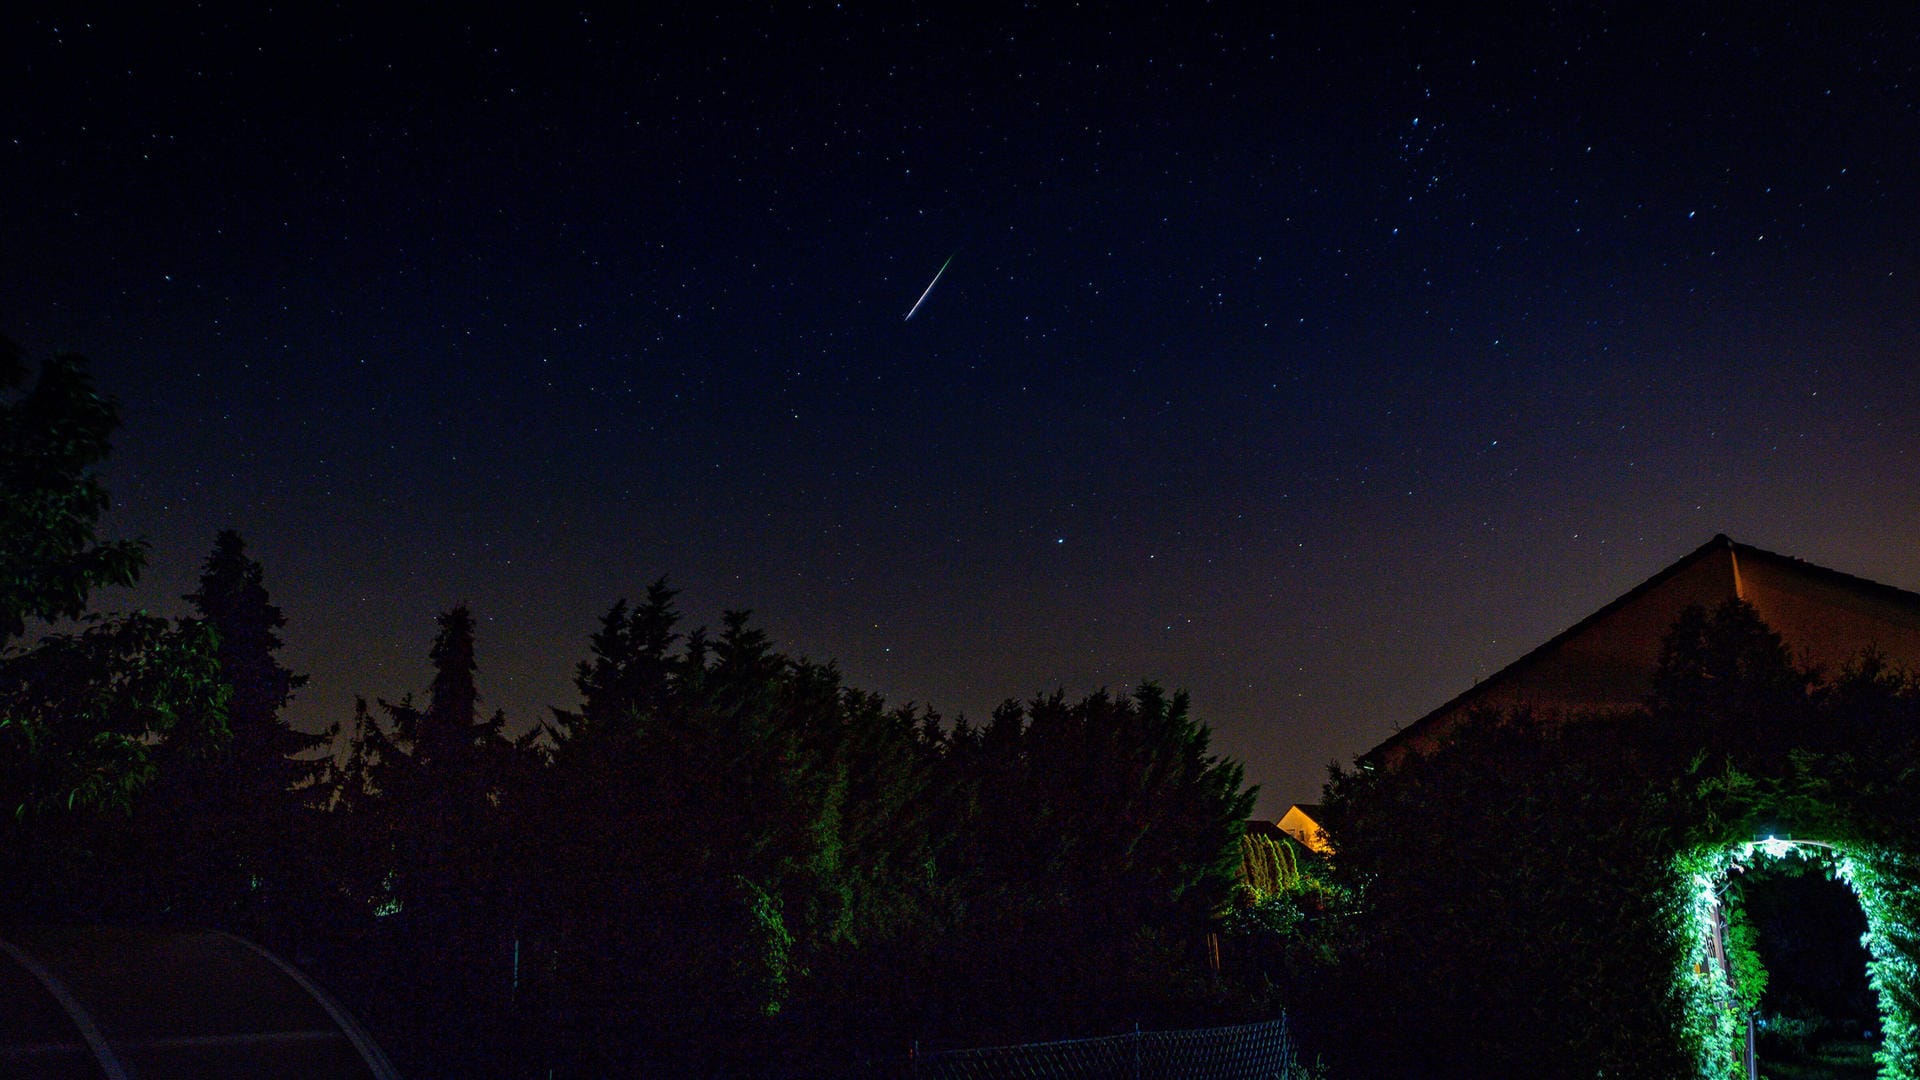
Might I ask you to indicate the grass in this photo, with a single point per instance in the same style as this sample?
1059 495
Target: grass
1832 1059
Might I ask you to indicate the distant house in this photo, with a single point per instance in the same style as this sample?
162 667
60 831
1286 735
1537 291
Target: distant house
1606 661
1302 822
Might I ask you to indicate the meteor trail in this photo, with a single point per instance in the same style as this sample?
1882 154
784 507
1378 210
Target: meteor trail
930 285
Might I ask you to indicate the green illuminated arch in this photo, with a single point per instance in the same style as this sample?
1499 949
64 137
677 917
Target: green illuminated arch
1884 880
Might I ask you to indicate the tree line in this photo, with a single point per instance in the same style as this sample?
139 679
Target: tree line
721 859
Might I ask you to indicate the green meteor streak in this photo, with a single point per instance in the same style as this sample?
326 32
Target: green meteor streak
929 288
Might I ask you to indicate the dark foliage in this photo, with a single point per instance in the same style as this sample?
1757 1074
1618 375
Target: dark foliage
1091 843
694 842
52 435
1499 876
734 863
268 757
228 833
425 802
1282 937
89 716
1521 911
724 861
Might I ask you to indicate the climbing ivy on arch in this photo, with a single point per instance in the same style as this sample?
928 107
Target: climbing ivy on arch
1884 878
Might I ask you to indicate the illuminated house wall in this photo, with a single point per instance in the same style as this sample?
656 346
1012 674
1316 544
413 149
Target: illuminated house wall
1607 660
1301 822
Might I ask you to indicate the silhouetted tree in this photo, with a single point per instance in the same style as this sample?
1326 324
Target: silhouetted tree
1093 842
720 823
628 680
1726 684
270 756
424 798
1518 917
85 715
228 833
52 435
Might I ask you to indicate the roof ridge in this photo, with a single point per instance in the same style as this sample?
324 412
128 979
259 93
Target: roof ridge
1839 576
1720 541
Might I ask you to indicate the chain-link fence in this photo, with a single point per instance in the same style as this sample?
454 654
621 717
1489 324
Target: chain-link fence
1246 1052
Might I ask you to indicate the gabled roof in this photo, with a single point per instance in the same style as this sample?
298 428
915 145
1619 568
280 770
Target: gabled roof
1606 660
1303 822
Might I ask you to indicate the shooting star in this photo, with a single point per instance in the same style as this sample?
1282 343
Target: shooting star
930 285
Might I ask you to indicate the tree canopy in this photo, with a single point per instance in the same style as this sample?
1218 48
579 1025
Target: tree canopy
53 434
82 710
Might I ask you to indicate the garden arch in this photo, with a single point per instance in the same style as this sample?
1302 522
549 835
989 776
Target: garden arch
1884 882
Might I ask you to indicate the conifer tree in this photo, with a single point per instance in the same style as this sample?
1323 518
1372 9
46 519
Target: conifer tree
429 792
270 757
228 828
628 679
433 775
1726 683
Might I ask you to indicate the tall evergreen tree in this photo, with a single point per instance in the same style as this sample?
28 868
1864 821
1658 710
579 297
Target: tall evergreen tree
429 792
432 778
227 835
628 678
270 756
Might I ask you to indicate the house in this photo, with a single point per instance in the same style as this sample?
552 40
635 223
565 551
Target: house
1606 661
1302 822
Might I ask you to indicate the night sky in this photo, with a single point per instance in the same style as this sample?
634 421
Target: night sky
1317 363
